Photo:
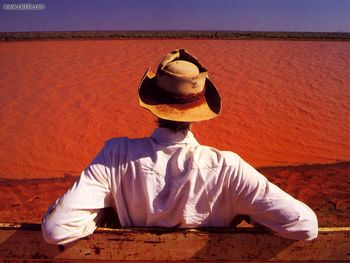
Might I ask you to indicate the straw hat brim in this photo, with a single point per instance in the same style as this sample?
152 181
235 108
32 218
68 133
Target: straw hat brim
205 107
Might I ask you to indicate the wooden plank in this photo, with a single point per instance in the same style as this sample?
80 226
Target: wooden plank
24 241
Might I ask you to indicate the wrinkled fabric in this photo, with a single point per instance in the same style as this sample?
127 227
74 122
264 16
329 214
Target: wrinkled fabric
170 180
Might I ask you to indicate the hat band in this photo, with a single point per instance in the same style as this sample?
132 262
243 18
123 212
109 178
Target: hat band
167 97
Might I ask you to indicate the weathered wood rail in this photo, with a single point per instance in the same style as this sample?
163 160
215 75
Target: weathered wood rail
24 241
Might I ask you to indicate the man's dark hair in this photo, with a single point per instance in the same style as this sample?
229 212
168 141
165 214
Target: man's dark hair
175 126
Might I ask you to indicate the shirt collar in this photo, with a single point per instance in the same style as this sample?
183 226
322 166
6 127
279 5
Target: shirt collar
166 136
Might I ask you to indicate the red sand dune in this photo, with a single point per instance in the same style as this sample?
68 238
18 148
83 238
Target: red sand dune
284 102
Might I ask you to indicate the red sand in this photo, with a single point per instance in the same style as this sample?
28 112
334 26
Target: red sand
284 102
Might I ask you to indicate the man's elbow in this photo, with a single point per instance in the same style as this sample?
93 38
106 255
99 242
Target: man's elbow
61 234
55 234
312 232
305 228
51 233
307 235
310 228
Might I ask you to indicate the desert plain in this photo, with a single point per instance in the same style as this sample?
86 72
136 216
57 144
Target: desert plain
285 110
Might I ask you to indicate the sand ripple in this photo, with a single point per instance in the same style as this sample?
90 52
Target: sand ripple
284 102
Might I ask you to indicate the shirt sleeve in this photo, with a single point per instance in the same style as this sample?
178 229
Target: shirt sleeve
75 214
270 206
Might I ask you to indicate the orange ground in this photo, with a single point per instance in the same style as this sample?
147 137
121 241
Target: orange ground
284 103
325 188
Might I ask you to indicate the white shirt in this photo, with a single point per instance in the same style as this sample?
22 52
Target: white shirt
170 180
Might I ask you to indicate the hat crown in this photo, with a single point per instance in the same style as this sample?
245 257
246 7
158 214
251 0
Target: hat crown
182 68
181 78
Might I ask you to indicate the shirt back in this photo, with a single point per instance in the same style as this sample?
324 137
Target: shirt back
170 180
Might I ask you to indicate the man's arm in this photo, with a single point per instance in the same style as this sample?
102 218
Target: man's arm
270 206
76 213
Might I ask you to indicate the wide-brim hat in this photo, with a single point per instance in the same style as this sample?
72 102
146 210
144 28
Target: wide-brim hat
180 90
